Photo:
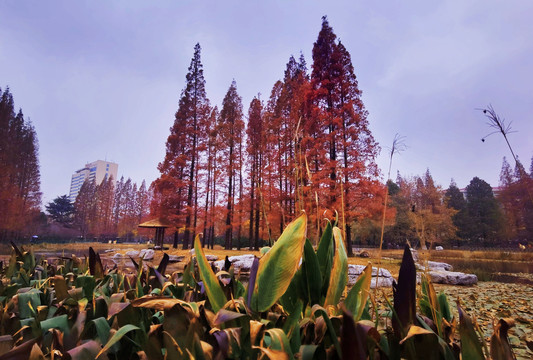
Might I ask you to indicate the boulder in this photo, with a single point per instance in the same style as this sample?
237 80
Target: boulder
364 254
383 282
118 256
436 266
147 254
452 278
175 258
439 248
414 254
385 277
132 253
241 263
211 257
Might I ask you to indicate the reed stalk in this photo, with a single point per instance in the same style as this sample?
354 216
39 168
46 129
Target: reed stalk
398 146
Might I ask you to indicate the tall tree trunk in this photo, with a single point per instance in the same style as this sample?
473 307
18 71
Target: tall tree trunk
252 185
229 209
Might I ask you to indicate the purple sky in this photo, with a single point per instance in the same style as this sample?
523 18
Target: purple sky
102 79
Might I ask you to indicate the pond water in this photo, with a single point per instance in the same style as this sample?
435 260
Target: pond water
490 266
519 272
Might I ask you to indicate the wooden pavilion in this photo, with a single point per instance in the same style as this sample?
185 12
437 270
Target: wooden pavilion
159 225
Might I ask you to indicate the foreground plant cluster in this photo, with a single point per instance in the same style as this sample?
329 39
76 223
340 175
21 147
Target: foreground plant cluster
290 308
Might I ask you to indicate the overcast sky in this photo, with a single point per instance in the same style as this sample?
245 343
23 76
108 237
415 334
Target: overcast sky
101 80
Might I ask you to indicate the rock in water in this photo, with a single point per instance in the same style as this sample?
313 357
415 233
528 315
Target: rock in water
147 254
132 253
452 278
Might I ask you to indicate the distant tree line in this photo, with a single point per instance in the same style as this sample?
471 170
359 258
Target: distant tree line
105 211
20 196
427 215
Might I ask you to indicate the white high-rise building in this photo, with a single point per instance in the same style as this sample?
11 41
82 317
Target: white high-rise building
97 171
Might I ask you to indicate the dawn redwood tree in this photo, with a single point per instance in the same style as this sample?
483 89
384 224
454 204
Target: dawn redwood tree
178 183
143 202
20 195
85 208
338 133
255 150
517 205
231 129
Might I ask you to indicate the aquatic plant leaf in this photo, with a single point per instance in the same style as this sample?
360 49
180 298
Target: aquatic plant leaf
444 306
160 303
352 346
276 339
317 311
325 254
87 283
214 292
500 349
58 322
312 352
21 352
278 266
470 344
116 337
273 354
27 301
102 329
163 264
404 295
224 315
85 351
95 264
6 343
251 281
339 271
296 291
311 271
358 295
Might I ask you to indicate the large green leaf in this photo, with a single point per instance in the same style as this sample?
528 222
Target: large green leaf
116 337
313 277
324 255
58 322
357 296
318 311
276 339
339 272
28 300
278 266
470 344
214 292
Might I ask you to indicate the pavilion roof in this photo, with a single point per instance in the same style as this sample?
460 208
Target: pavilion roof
155 223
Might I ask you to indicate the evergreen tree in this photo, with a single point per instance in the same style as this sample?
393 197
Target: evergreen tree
61 210
484 213
455 199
